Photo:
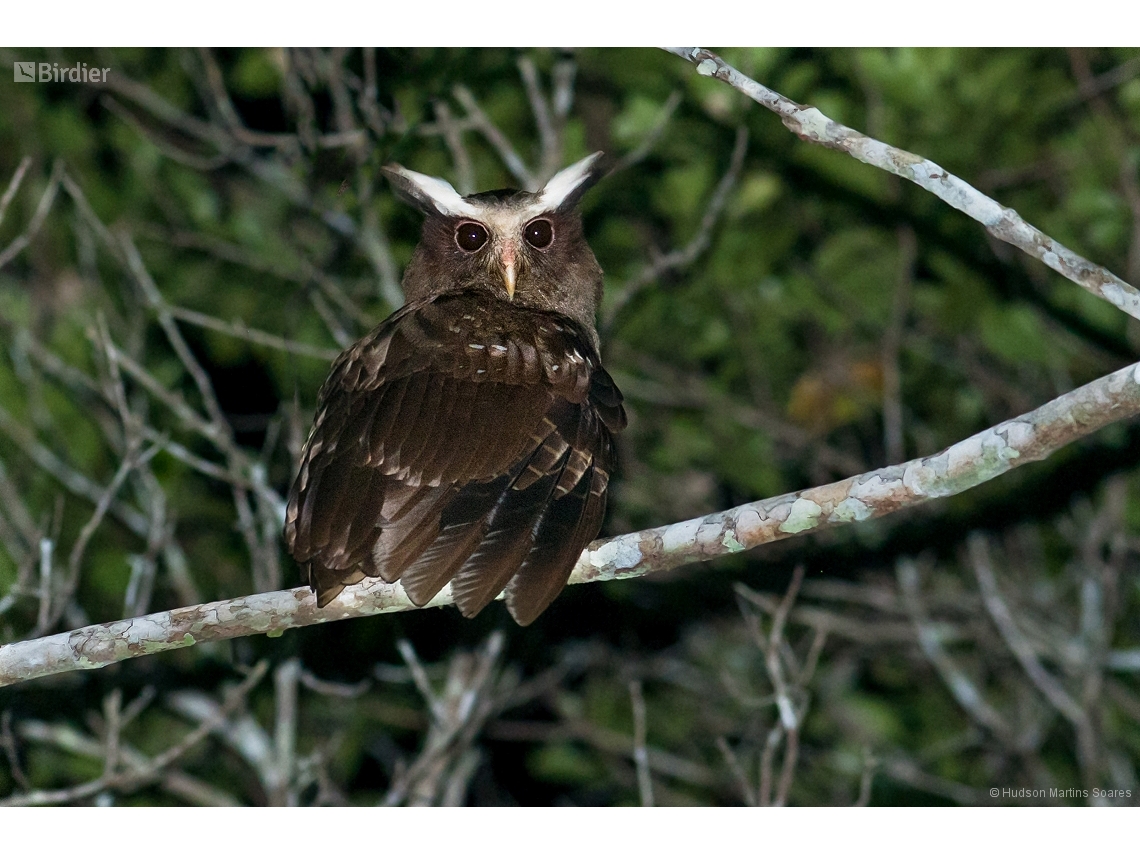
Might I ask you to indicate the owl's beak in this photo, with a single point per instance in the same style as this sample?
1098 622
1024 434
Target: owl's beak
507 260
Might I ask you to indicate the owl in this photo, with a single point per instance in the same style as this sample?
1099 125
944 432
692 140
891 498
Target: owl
469 438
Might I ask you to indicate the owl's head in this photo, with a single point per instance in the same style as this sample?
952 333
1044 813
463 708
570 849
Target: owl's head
526 248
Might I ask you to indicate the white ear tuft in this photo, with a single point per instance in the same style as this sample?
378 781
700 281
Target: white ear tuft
567 186
428 194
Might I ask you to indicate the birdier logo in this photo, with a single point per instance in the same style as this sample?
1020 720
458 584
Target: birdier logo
51 72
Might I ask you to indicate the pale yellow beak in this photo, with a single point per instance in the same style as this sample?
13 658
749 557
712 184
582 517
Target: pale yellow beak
507 256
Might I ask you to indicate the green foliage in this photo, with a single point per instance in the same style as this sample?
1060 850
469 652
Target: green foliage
755 367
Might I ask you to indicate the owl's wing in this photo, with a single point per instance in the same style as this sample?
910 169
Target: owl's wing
462 441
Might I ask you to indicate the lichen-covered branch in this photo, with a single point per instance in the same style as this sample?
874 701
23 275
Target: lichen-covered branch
1005 224
963 465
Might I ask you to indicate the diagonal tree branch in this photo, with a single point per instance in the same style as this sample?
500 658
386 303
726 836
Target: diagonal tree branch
1005 224
966 464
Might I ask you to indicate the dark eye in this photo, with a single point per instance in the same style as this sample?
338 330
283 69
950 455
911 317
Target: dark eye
470 236
539 234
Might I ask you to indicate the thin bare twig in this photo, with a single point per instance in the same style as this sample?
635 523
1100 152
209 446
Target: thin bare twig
238 329
14 185
1027 657
1018 644
112 730
767 764
1093 86
964 690
867 778
46 592
498 140
681 258
448 759
790 716
739 775
664 115
243 733
285 679
165 316
906 771
452 135
419 676
367 101
46 201
143 774
663 763
640 754
347 691
172 781
549 121
11 751
177 153
134 458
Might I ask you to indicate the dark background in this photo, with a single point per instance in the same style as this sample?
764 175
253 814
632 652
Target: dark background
778 315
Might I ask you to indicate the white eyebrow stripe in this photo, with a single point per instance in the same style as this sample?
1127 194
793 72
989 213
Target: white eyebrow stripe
442 195
551 197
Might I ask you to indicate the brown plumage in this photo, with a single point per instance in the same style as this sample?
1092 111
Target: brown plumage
468 439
